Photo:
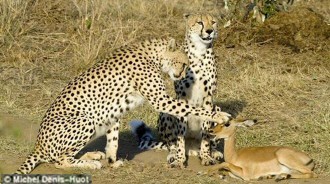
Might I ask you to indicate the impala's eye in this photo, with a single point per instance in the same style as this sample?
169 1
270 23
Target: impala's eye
213 22
200 23
227 124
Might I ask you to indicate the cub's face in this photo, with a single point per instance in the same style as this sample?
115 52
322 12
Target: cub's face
174 61
201 27
177 64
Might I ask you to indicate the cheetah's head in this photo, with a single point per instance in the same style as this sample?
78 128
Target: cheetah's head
174 61
201 28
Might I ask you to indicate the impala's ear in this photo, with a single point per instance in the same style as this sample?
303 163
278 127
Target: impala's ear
186 15
243 122
171 46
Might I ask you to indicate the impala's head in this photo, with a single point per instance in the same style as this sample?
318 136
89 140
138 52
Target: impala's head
223 131
201 27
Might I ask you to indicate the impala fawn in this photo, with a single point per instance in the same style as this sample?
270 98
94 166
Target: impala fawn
260 162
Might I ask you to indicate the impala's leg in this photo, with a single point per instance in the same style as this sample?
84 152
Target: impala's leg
235 170
306 175
217 167
266 177
282 176
296 161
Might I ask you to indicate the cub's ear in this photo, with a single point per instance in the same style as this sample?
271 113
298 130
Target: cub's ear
171 46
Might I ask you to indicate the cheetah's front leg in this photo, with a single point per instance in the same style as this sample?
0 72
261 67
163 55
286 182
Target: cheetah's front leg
180 145
112 142
215 152
205 150
205 153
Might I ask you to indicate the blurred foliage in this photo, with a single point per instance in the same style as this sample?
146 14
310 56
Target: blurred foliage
269 8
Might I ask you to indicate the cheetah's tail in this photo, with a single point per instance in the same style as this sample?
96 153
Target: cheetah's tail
145 138
30 163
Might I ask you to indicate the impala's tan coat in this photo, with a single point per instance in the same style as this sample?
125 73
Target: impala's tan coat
261 162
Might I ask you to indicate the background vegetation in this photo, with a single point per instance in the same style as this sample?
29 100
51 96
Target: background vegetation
277 72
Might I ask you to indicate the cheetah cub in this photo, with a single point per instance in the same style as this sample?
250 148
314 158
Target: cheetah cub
92 104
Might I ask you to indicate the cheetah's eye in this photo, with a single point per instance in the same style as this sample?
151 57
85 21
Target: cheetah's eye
200 22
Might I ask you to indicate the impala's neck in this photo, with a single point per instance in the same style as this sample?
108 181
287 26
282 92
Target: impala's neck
230 152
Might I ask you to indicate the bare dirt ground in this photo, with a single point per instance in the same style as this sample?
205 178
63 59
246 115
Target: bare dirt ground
139 166
277 73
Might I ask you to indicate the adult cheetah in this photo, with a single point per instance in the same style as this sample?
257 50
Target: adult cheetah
197 88
92 104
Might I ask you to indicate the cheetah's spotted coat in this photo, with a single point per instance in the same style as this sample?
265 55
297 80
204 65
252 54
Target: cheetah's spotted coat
91 105
197 88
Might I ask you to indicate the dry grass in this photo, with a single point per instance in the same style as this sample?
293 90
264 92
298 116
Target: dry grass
287 92
44 44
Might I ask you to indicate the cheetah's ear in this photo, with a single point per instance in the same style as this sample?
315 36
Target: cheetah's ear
171 46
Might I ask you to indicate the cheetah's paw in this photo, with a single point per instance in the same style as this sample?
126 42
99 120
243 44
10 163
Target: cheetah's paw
117 164
171 158
173 161
94 164
222 117
208 161
95 155
217 155
176 164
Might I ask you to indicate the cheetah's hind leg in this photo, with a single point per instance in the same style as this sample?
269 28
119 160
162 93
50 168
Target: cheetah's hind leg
89 160
84 133
67 162
94 155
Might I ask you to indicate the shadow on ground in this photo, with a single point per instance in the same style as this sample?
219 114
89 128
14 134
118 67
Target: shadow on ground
127 146
233 107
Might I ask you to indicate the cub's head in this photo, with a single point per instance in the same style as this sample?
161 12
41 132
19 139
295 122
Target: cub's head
174 61
201 27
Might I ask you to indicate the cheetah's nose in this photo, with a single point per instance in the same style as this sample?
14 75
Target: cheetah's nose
209 31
